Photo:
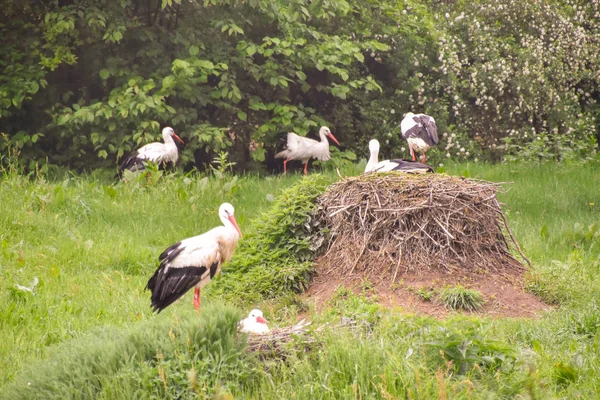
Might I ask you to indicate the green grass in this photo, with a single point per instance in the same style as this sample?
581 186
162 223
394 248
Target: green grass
93 245
460 298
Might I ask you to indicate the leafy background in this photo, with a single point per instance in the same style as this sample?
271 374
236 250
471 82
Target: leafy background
85 82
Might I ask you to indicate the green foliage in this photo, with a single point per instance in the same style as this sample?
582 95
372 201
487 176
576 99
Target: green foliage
171 359
564 374
276 256
469 347
510 92
222 73
586 322
424 293
460 298
361 308
546 288
84 84
93 243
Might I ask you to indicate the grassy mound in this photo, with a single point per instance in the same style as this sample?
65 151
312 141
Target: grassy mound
276 257
382 224
158 357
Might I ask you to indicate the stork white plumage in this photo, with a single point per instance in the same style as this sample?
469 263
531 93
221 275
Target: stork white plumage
392 165
158 153
303 148
254 323
420 131
193 262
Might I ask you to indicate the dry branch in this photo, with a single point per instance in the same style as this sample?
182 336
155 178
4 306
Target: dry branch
379 222
277 338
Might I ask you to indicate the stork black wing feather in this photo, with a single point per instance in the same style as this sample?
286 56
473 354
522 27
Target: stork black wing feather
428 129
411 165
170 252
170 286
132 163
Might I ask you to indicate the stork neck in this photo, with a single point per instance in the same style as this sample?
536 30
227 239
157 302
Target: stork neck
323 136
169 142
373 160
374 157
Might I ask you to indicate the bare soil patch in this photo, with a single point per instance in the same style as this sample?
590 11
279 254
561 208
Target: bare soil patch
504 295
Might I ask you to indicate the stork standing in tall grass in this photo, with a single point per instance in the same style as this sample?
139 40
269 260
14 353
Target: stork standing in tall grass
194 262
157 153
420 131
392 165
302 148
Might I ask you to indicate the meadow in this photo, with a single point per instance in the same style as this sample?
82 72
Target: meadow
76 253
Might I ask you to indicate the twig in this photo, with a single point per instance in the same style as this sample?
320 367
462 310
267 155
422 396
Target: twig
511 235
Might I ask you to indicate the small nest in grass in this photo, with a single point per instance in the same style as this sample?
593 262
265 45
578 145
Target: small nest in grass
382 225
275 340
274 343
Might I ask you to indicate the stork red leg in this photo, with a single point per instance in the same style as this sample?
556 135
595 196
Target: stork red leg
285 165
423 158
197 299
412 153
306 168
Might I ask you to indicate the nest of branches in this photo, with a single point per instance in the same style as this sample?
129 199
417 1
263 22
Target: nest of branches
383 225
275 340
274 343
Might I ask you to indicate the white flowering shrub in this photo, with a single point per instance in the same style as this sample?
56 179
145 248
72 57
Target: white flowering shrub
521 77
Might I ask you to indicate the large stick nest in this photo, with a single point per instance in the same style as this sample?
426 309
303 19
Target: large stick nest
383 225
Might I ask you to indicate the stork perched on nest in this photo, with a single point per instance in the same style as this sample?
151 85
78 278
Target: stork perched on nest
193 262
158 153
302 148
254 323
420 131
393 165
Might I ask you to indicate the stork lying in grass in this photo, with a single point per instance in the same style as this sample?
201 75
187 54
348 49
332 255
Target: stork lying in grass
254 323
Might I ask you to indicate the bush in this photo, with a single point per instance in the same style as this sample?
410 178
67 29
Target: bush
277 256
160 357
460 298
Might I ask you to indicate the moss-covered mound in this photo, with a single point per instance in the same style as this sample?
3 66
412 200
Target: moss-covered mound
277 255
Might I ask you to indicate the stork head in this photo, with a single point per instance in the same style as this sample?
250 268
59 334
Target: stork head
257 315
168 131
374 146
226 215
324 131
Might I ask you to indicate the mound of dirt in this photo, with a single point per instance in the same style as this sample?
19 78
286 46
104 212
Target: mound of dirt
404 233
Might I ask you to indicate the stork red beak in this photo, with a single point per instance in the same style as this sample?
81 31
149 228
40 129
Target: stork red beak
177 137
261 320
235 225
333 138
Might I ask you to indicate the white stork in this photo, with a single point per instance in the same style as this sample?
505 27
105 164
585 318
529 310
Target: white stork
303 148
158 153
254 323
393 165
420 131
193 262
